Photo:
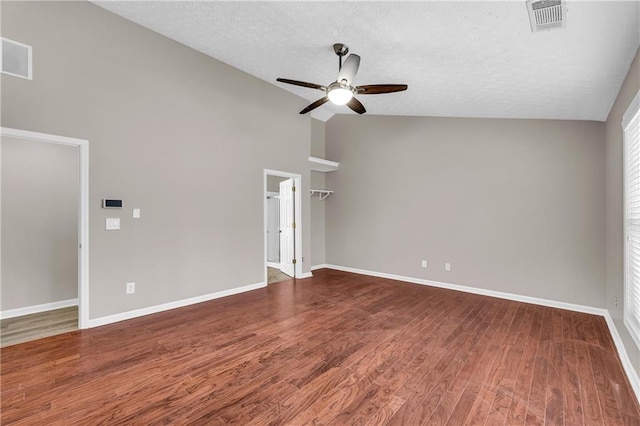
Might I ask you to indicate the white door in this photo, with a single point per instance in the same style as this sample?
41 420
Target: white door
287 227
273 228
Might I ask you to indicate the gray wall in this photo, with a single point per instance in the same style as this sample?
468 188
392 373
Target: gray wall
181 136
614 178
273 183
39 223
514 205
318 207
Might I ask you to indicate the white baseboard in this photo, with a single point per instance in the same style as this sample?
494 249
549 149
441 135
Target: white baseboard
475 290
305 275
273 265
96 322
320 266
632 374
11 313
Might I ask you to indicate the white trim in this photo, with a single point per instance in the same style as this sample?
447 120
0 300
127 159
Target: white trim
273 265
83 210
305 275
629 115
110 319
28 310
320 266
629 326
475 290
298 217
29 60
632 374
41 137
631 111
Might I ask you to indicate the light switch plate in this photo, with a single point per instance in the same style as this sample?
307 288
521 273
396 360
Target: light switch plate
136 213
112 223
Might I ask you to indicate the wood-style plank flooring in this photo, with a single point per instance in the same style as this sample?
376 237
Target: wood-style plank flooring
337 348
36 326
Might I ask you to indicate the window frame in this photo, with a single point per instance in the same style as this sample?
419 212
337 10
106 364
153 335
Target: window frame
632 114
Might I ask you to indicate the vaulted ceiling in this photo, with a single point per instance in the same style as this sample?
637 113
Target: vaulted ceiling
460 59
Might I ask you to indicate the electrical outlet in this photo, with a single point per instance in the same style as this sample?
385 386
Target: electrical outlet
616 301
131 288
447 266
424 263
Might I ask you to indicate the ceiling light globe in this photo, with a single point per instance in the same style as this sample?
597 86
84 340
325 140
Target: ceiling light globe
340 95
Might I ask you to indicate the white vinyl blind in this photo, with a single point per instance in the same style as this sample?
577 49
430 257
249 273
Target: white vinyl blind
631 129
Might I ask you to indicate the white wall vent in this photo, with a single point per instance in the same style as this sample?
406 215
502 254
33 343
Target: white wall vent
546 14
16 59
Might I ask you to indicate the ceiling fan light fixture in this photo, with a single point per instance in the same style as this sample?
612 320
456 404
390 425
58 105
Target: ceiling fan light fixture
342 91
340 95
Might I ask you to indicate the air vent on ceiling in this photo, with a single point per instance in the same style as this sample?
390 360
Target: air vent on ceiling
16 59
546 14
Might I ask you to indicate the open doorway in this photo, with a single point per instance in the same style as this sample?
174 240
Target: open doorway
282 225
44 235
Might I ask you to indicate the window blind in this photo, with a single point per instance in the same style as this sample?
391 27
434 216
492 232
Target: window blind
631 130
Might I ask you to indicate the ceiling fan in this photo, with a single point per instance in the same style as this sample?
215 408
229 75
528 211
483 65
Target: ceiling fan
342 91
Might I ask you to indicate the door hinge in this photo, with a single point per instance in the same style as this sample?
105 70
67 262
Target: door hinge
293 189
293 225
294 261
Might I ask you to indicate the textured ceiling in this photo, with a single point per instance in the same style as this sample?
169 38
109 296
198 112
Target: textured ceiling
460 59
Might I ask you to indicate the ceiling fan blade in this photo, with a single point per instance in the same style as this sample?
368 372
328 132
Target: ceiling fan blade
355 105
375 89
301 83
349 69
315 105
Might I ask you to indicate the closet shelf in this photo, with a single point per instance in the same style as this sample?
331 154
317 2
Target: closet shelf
322 193
322 165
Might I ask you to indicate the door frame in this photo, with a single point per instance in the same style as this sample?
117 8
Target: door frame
83 210
297 178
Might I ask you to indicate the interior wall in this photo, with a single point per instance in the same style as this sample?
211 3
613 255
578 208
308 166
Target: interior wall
39 223
318 181
515 206
273 182
181 136
615 206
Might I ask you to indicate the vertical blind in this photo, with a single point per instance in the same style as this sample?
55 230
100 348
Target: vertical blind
631 129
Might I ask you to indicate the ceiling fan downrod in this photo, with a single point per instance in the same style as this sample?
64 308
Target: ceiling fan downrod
341 50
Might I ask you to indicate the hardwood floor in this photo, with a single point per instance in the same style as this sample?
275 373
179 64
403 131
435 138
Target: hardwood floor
337 348
36 326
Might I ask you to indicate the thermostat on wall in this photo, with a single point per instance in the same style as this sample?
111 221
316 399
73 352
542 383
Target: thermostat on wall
111 204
